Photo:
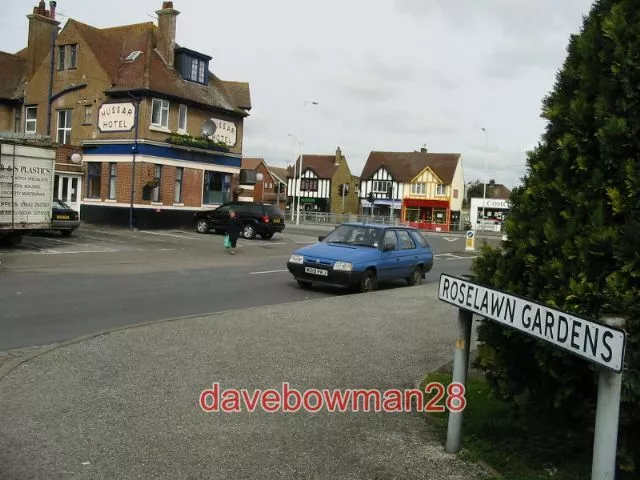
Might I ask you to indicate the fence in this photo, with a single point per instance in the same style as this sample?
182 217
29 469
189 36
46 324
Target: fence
316 218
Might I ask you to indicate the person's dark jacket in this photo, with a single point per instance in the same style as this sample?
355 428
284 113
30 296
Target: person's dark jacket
234 227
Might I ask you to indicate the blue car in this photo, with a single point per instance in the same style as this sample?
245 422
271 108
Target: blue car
360 255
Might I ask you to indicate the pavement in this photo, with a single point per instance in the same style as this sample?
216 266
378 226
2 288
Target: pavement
125 404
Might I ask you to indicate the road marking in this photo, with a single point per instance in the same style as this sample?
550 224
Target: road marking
57 241
55 252
109 233
166 234
267 271
306 243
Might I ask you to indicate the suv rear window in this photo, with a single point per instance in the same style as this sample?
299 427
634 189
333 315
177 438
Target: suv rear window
273 211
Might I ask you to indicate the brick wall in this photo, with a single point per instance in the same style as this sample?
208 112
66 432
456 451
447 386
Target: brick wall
63 159
191 184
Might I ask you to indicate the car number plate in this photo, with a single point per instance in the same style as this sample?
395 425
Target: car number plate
276 220
63 217
316 271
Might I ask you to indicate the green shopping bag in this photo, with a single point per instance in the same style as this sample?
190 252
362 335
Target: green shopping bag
227 241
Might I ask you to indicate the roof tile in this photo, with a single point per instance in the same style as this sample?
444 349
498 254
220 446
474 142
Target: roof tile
405 166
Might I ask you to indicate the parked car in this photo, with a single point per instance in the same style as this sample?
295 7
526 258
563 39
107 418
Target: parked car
64 218
257 218
358 255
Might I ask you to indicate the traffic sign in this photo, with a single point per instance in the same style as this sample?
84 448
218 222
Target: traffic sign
470 243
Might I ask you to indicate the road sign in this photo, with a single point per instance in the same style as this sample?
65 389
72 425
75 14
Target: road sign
470 243
589 339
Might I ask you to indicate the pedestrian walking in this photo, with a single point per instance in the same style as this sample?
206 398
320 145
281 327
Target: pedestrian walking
233 232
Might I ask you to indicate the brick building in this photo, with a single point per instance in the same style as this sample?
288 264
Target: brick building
160 136
265 190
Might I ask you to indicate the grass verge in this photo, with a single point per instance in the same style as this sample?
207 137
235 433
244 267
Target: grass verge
534 452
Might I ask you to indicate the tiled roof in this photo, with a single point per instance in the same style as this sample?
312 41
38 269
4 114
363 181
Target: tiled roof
279 172
12 76
405 166
498 191
322 165
249 163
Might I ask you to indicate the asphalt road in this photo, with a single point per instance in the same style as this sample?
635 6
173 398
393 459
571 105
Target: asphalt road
54 289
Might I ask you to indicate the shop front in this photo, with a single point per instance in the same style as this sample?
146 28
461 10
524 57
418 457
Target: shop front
490 214
427 214
312 205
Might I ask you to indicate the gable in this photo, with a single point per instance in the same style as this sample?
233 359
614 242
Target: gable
427 176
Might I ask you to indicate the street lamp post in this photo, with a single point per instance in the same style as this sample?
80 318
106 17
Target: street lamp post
294 193
298 191
484 186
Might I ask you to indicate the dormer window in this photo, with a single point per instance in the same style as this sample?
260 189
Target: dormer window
193 66
197 70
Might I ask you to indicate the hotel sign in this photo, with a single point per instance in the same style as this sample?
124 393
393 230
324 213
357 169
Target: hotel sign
116 117
592 341
225 132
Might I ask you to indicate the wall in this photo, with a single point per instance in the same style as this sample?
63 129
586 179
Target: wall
343 175
457 184
431 180
7 113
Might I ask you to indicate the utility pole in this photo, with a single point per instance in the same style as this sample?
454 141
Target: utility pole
484 186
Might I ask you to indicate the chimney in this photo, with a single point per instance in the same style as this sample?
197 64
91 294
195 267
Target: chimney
338 156
423 150
52 8
167 32
42 33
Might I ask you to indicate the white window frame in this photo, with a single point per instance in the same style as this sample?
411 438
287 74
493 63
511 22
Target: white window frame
441 190
381 186
155 192
177 195
113 180
163 105
182 122
28 121
65 130
418 188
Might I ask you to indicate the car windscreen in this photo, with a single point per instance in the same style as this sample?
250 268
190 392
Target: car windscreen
356 235
273 211
61 204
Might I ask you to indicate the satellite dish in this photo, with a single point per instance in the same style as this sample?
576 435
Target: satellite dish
208 128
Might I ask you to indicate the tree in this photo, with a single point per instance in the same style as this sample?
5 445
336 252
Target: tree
574 229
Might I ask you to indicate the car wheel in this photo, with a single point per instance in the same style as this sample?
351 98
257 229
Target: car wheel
202 226
303 284
368 282
66 233
416 277
249 231
267 236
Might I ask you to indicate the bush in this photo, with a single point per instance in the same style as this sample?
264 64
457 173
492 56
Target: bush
197 142
574 231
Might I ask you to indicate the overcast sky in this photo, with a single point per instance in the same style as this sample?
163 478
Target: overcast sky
389 75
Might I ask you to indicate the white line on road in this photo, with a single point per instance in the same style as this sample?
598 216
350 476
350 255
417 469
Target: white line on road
167 235
55 252
267 271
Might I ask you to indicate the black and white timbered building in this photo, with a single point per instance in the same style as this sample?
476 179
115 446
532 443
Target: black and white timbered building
385 183
312 188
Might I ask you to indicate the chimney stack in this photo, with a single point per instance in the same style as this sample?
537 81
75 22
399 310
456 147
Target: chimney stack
338 156
52 9
42 33
423 150
167 32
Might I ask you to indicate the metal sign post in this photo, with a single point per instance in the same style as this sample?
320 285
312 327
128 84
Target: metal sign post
600 343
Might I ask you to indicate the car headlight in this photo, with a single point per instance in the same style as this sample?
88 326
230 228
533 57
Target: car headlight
296 259
344 266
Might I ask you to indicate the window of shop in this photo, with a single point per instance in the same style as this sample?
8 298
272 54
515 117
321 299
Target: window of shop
178 186
440 215
94 173
217 188
412 214
155 191
112 181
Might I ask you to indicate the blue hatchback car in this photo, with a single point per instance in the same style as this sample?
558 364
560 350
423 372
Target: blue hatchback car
361 255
